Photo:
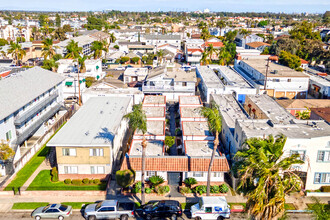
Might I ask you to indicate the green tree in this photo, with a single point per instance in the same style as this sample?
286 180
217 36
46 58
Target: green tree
205 60
16 51
116 47
290 60
160 55
73 50
59 34
190 181
58 21
304 115
135 60
137 120
50 65
320 211
3 42
67 28
42 20
124 59
169 141
263 23
205 34
230 36
266 51
221 24
97 47
6 152
215 123
48 49
125 178
57 57
89 81
266 176
244 33
95 23
112 38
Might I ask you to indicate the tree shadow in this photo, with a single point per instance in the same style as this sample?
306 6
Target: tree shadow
106 135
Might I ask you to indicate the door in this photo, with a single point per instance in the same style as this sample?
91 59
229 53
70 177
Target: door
174 178
106 213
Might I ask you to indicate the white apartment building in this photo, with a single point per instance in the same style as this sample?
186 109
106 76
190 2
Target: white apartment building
159 39
171 84
281 80
28 99
84 41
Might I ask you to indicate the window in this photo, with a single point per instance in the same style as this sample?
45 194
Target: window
198 174
106 209
184 83
276 80
97 170
208 209
151 173
8 135
217 174
70 169
300 152
98 152
69 152
289 80
323 156
322 178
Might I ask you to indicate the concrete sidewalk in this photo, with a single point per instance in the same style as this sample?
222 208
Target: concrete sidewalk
43 166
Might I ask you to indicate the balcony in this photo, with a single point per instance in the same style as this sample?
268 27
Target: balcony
31 129
20 119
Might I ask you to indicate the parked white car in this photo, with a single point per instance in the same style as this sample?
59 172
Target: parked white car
211 207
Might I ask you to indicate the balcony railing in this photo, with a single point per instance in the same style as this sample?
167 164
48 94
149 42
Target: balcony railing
35 109
22 136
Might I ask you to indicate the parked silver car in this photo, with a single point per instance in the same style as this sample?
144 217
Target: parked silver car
52 211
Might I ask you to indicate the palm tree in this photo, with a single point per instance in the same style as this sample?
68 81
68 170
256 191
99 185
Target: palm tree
304 115
137 120
221 24
81 62
73 52
50 65
244 33
112 38
48 50
16 51
160 55
224 56
205 58
266 176
215 123
211 50
98 47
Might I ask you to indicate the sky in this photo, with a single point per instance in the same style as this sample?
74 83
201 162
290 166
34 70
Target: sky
288 6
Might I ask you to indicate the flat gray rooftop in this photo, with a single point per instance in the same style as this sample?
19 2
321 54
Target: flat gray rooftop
200 148
154 111
209 77
154 99
229 109
95 123
271 108
154 148
21 88
154 128
189 100
283 71
136 72
232 77
198 128
190 112
299 129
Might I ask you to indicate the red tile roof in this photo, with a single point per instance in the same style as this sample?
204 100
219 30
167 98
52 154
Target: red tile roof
273 58
179 164
303 61
194 50
215 44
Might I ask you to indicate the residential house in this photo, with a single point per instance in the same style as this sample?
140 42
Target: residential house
135 74
319 87
258 45
28 99
91 143
158 40
321 114
299 105
84 41
241 40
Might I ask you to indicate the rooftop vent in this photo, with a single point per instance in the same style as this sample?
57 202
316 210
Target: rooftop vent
275 72
87 133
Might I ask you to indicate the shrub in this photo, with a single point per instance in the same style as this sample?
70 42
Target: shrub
224 188
156 181
215 189
148 190
116 47
54 174
137 187
325 188
89 81
162 190
169 141
200 189
91 181
67 181
76 181
185 190
85 181
190 181
96 181
125 178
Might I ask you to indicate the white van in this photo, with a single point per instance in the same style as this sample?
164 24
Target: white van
211 207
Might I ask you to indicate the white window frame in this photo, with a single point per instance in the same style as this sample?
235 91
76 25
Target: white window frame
70 152
326 156
97 170
151 173
198 174
70 169
96 152
323 178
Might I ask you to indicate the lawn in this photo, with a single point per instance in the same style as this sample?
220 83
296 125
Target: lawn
24 174
289 206
43 182
28 205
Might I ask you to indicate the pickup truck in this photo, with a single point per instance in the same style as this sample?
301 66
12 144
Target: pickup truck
109 209
211 207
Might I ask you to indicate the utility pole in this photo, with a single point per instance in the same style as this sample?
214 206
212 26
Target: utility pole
267 66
